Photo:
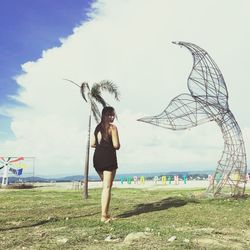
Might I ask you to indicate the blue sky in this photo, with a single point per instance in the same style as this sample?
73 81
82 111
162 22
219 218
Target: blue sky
27 28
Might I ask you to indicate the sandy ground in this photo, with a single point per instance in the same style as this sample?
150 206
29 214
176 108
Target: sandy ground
148 184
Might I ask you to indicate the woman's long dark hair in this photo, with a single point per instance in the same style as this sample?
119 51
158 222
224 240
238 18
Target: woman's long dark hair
103 126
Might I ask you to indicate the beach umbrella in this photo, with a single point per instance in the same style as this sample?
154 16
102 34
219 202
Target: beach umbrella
8 164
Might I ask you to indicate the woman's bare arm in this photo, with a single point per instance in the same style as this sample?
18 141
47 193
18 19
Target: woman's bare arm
115 137
93 142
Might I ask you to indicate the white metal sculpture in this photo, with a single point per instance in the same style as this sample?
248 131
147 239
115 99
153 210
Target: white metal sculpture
208 101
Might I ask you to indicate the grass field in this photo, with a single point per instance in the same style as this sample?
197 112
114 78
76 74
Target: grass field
40 219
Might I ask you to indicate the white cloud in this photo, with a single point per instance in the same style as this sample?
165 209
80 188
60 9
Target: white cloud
129 42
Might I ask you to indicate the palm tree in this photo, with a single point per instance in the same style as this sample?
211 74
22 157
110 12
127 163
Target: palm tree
93 96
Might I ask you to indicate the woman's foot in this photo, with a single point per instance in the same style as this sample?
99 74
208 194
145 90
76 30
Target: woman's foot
112 217
105 218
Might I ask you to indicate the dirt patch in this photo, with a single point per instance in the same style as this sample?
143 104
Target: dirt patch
225 238
20 186
205 230
209 243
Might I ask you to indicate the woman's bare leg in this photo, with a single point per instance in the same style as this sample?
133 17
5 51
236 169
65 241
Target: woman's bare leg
108 177
100 174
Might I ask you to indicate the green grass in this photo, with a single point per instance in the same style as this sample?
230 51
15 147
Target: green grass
37 219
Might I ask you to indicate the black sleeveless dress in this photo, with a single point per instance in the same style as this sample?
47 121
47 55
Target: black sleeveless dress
105 154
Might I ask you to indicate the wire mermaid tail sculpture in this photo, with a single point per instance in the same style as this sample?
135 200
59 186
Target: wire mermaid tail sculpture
208 101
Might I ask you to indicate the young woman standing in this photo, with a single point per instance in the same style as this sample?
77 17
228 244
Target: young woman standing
106 142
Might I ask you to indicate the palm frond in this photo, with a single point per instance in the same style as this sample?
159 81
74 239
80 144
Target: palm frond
72 82
83 87
95 111
110 87
96 94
